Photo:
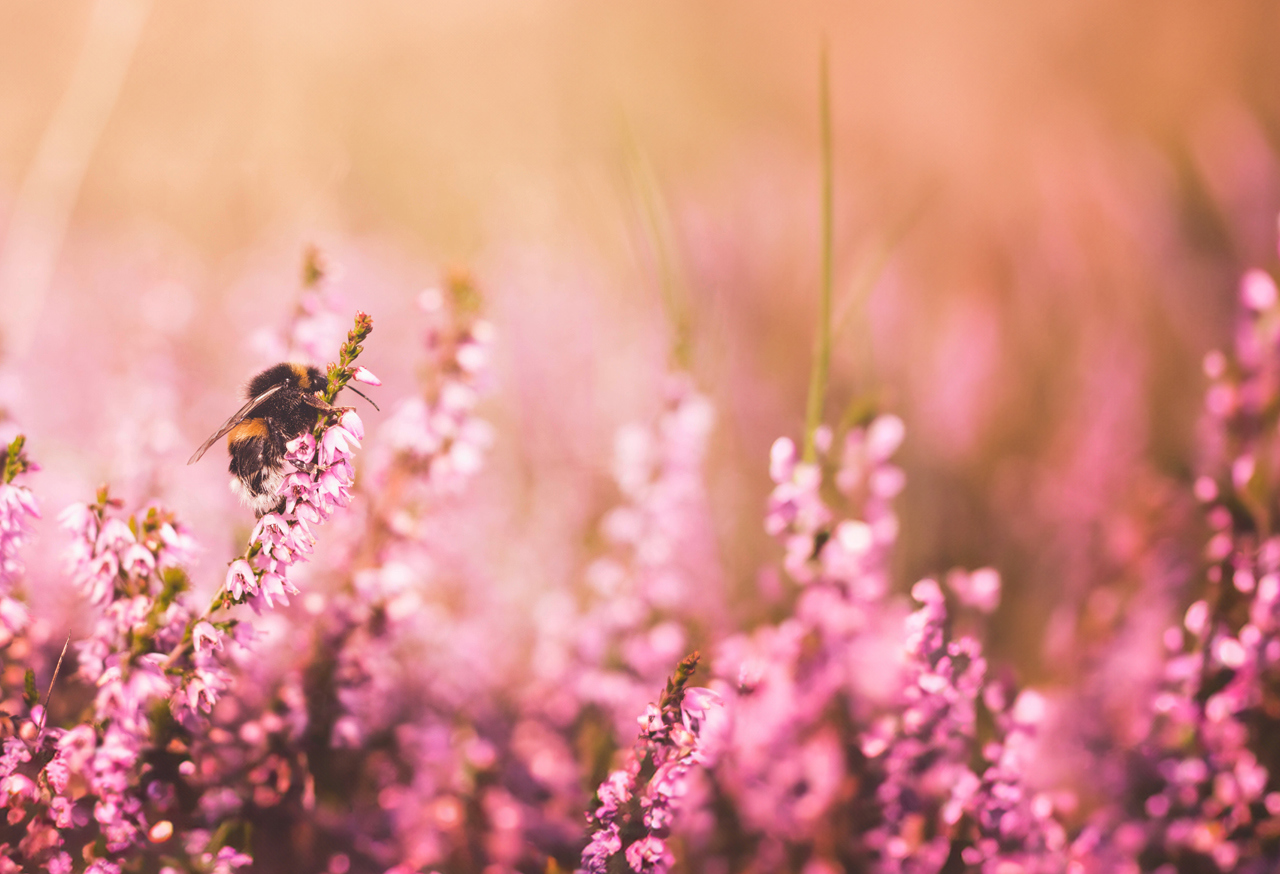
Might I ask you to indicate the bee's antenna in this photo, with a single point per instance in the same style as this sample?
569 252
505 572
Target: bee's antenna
362 394
49 694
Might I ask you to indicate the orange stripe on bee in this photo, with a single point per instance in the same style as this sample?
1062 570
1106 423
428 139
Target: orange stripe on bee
304 379
249 429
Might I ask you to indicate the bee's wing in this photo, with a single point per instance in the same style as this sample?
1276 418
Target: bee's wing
240 416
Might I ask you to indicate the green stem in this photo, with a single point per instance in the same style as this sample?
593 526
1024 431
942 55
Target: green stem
822 348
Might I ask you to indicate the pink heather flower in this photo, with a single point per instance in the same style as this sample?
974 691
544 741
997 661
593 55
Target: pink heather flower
273 532
604 843
649 855
179 547
230 859
351 422
115 534
698 703
137 560
363 375
99 576
307 512
275 587
295 486
651 724
17 504
614 792
20 789
336 445
1197 618
13 617
884 436
241 580
301 448
473 357
205 637
80 520
201 690
333 489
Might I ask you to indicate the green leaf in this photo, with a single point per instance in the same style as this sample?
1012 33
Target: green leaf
29 692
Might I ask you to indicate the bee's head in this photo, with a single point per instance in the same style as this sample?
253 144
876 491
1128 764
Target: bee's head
287 374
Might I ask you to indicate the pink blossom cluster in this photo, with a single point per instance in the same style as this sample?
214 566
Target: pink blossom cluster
932 797
439 430
125 774
93 791
319 483
925 755
658 581
318 322
17 507
850 554
636 805
784 761
450 793
1213 798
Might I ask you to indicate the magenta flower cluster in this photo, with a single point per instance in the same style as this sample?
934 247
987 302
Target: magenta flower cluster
319 484
655 579
439 429
91 794
17 507
637 804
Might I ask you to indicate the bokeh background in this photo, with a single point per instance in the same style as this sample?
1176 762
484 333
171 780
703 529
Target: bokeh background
1040 214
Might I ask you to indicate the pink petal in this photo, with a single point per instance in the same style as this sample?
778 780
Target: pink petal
362 374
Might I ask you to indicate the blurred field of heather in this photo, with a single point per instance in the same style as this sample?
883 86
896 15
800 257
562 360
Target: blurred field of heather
590 237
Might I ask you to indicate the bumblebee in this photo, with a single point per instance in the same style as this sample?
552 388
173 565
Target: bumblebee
283 402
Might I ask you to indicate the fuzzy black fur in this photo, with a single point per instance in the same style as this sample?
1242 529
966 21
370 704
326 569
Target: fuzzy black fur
257 444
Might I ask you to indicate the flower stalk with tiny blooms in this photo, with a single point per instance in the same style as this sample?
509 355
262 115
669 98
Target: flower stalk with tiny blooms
637 804
319 484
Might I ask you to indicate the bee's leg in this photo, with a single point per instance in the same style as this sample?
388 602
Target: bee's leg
322 405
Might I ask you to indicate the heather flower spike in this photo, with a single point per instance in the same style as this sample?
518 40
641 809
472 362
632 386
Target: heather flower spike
439 433
636 806
319 484
96 773
17 507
